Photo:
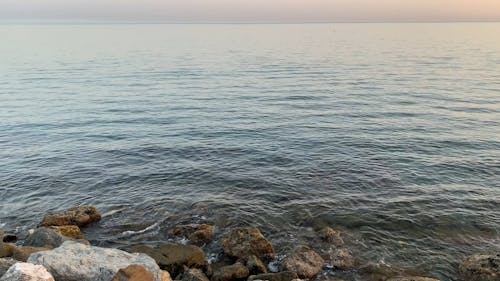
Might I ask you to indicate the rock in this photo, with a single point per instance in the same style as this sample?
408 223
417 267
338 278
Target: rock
343 259
9 238
23 253
236 271
79 216
165 276
194 274
255 265
5 264
305 262
133 272
197 233
281 276
6 249
481 268
44 237
244 242
173 257
26 272
330 235
73 261
71 231
412 278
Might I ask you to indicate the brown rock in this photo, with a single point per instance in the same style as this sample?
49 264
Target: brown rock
194 274
412 278
255 265
6 250
236 271
79 216
343 259
330 235
481 268
305 262
173 257
197 233
133 273
281 276
23 253
244 242
71 231
165 276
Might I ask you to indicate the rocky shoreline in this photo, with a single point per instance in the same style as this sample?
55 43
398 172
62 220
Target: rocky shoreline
57 250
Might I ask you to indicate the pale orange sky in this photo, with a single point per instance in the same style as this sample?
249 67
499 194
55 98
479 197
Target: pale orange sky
250 10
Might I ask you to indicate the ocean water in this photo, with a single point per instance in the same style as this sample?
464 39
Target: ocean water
388 132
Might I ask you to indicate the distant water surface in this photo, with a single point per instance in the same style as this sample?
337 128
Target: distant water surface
388 132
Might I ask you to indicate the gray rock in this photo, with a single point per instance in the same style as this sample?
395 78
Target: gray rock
5 264
26 272
74 261
44 237
481 268
281 276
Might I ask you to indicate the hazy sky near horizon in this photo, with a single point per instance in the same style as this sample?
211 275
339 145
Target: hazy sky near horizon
248 10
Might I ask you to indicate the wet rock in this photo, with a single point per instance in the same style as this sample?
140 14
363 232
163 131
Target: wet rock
481 268
26 272
9 238
173 257
255 265
198 234
343 259
74 261
71 231
330 235
244 242
412 278
23 253
281 276
236 271
133 273
194 274
44 237
5 264
79 216
305 262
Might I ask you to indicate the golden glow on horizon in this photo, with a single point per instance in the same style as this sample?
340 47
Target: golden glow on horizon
251 10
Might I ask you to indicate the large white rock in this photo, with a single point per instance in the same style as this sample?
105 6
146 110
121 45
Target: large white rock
26 272
77 262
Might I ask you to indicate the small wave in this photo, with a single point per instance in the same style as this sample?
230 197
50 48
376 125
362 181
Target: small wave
129 233
112 212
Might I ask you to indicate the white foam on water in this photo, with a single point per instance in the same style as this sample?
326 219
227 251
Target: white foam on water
128 233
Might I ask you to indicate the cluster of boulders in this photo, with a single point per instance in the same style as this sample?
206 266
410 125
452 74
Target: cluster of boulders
57 251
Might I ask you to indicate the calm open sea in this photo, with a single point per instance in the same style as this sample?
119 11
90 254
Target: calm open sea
389 132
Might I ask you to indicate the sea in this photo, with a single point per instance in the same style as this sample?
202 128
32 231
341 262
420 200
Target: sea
387 132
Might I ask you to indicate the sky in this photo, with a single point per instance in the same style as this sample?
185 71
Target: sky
248 10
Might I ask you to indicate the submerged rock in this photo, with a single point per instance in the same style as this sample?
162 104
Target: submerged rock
173 257
133 272
71 231
481 268
330 235
386 272
305 262
74 261
79 216
5 264
255 265
244 242
27 272
196 233
194 274
236 271
281 276
343 259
